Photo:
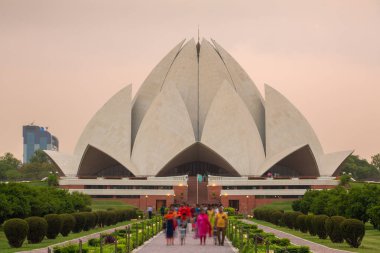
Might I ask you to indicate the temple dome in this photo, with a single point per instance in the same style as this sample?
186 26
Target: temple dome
198 107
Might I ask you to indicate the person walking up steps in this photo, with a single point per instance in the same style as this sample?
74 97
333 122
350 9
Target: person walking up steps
221 220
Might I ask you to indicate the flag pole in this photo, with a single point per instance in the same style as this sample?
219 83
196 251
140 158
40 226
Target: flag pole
197 189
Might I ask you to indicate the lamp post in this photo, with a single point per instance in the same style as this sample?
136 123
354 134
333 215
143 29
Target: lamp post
146 202
247 197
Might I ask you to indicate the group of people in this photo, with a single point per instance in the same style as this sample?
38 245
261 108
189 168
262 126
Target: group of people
205 220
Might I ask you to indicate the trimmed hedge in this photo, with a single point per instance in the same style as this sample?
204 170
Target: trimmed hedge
102 218
309 224
80 222
301 223
37 229
353 231
318 223
16 231
90 220
68 223
276 217
54 222
293 219
332 226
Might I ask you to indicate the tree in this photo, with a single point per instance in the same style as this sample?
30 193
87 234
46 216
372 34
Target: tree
360 169
39 156
53 180
376 161
8 166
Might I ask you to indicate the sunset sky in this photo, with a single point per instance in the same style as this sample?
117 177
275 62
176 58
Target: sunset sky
60 61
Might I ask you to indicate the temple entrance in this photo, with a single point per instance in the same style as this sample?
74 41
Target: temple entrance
197 192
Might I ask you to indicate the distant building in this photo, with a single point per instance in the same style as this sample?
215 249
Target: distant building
35 138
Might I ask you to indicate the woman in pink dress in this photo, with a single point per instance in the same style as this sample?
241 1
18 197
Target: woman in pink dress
204 226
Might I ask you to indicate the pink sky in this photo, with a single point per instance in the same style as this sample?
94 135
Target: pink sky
60 61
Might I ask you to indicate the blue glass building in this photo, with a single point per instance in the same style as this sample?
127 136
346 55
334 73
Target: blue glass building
35 138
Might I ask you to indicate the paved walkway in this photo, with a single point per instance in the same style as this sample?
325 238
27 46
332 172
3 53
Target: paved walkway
314 247
158 244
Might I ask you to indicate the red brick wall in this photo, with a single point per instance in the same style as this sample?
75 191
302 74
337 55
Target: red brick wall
314 187
180 194
213 193
246 204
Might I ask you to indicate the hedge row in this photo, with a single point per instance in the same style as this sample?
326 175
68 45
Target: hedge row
34 229
246 244
337 228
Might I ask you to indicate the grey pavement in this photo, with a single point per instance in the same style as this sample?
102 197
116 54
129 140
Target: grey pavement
158 244
314 247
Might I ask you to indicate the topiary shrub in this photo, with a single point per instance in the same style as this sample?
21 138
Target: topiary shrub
293 219
54 222
16 231
353 231
301 223
332 226
110 218
90 221
318 223
276 217
309 224
37 229
80 222
102 218
68 223
287 220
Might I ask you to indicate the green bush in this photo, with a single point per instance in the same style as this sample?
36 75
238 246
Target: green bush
94 242
54 222
68 223
301 223
332 226
37 229
287 220
229 210
90 221
102 218
276 217
309 224
353 231
69 249
374 216
80 222
16 231
318 223
111 218
293 219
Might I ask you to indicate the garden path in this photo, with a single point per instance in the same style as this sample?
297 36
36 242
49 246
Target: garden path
314 247
158 244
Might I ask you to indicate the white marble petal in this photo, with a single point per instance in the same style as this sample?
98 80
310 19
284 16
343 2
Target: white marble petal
231 132
110 129
329 163
212 73
183 74
246 89
165 130
150 88
285 126
68 164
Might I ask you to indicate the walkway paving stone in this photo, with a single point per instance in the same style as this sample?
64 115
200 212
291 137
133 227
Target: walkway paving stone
158 245
314 247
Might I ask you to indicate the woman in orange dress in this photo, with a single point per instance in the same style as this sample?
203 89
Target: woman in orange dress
169 219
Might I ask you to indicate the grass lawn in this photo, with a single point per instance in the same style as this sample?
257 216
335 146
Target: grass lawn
281 205
370 244
4 247
105 204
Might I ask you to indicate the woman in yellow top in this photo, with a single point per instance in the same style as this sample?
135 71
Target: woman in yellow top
211 216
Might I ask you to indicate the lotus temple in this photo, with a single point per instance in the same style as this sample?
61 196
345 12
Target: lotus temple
198 113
